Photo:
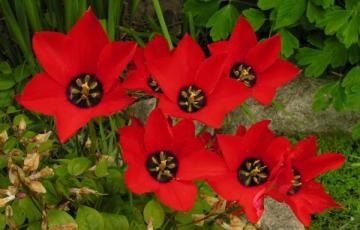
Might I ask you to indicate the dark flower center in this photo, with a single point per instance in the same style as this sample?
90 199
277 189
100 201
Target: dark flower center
296 183
244 73
154 85
162 166
84 91
191 99
252 172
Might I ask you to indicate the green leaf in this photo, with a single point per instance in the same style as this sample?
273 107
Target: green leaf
222 22
255 17
334 20
57 218
324 3
78 166
268 4
2 221
354 54
356 131
115 222
30 210
101 169
22 72
201 10
6 82
89 219
289 12
154 211
352 78
314 13
5 68
351 32
18 213
289 43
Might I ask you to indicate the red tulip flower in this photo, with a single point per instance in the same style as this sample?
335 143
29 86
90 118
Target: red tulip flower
139 78
254 66
193 85
304 195
81 75
165 160
253 162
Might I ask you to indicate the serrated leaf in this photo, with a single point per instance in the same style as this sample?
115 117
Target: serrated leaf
255 17
288 43
201 10
289 12
78 166
352 77
153 211
314 13
324 3
338 52
351 31
222 22
268 4
316 61
334 20
89 219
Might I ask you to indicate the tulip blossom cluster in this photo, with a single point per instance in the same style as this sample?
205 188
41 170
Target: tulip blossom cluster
81 81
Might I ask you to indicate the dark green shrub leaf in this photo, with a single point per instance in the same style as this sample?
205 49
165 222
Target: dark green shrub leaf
58 218
201 10
255 17
314 13
154 211
78 166
352 78
30 210
222 22
288 43
5 68
268 4
324 3
6 82
89 219
289 12
18 213
115 222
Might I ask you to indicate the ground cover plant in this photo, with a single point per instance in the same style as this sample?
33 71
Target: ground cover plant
73 156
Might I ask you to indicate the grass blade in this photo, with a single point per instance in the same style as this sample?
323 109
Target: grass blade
32 10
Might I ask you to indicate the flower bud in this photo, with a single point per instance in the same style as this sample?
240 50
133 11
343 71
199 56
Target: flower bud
31 162
41 138
3 137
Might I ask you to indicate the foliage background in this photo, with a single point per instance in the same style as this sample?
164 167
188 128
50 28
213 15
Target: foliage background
321 36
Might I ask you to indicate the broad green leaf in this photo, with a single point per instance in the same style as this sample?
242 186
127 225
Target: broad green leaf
6 82
101 169
154 211
268 4
51 195
289 12
356 131
5 68
6 98
255 17
22 72
89 219
2 221
78 166
324 3
30 210
222 22
18 213
114 182
57 218
201 10
288 43
115 222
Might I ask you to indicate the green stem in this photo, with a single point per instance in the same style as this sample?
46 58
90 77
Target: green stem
162 22
92 135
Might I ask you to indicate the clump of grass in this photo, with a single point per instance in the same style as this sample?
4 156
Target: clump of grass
342 184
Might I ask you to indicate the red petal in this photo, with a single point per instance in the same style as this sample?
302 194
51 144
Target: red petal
136 80
69 120
113 60
304 149
209 73
243 38
264 95
88 38
158 135
241 131
42 94
230 146
227 186
157 48
178 195
276 152
132 142
264 54
314 167
277 74
218 47
55 54
139 181
112 102
201 165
